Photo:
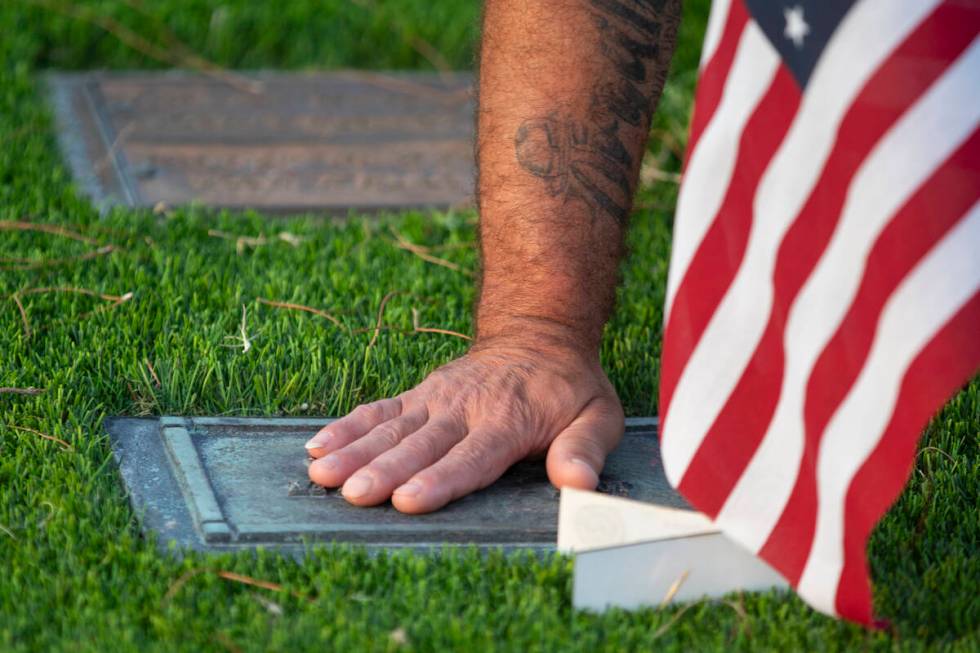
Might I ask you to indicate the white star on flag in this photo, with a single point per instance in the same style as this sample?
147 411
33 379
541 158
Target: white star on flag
796 27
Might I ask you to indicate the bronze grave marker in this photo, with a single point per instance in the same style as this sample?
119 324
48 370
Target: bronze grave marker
298 142
225 484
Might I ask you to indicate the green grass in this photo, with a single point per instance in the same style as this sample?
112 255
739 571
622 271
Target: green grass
78 575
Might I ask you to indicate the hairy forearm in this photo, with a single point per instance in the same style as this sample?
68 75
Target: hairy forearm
566 91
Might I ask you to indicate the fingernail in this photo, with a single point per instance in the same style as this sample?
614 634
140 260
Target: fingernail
579 461
317 444
410 489
357 486
329 462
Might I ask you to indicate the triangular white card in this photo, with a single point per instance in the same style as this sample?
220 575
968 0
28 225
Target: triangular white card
589 520
631 554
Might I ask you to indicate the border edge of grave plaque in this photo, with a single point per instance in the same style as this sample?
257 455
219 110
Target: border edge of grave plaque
159 499
185 460
65 91
150 485
92 147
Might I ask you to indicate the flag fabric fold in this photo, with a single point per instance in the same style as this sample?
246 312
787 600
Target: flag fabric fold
823 298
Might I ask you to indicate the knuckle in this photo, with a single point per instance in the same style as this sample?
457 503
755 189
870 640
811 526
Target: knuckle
423 448
387 433
370 411
380 469
477 460
587 447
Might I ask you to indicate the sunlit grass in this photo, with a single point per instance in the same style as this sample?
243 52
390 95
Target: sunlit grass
77 573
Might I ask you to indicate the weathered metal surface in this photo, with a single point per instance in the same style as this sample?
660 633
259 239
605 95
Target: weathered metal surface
214 483
326 142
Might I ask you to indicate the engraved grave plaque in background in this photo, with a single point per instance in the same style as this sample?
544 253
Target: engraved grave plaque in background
221 484
324 142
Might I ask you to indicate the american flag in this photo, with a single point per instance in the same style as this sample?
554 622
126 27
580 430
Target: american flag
823 300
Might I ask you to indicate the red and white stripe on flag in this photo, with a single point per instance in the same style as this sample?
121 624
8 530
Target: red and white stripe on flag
823 299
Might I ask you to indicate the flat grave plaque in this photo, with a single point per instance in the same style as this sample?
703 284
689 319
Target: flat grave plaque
323 142
224 484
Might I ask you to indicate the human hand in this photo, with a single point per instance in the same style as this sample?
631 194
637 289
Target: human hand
468 422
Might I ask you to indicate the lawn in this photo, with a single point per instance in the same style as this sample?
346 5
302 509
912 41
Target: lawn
147 328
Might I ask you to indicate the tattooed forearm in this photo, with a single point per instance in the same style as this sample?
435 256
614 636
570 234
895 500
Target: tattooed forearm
566 92
577 161
592 158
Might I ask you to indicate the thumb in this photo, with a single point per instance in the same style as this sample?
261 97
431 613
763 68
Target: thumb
577 454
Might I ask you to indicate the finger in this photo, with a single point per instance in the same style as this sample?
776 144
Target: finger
356 423
334 468
577 454
477 461
374 483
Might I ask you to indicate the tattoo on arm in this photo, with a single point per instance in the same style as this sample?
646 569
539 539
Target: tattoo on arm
585 159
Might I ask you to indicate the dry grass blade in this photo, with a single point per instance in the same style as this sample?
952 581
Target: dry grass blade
109 157
649 173
23 315
428 249
9 532
178 55
930 485
108 307
445 332
254 582
674 588
115 300
52 511
377 328
398 637
743 617
737 607
55 230
669 140
930 493
194 59
228 575
940 451
449 246
77 291
434 57
271 607
423 253
153 372
64 445
241 242
300 307
243 337
181 581
28 264
673 620
420 45
288 237
381 314
31 392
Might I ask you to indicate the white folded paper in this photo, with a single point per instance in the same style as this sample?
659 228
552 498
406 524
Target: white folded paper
631 554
